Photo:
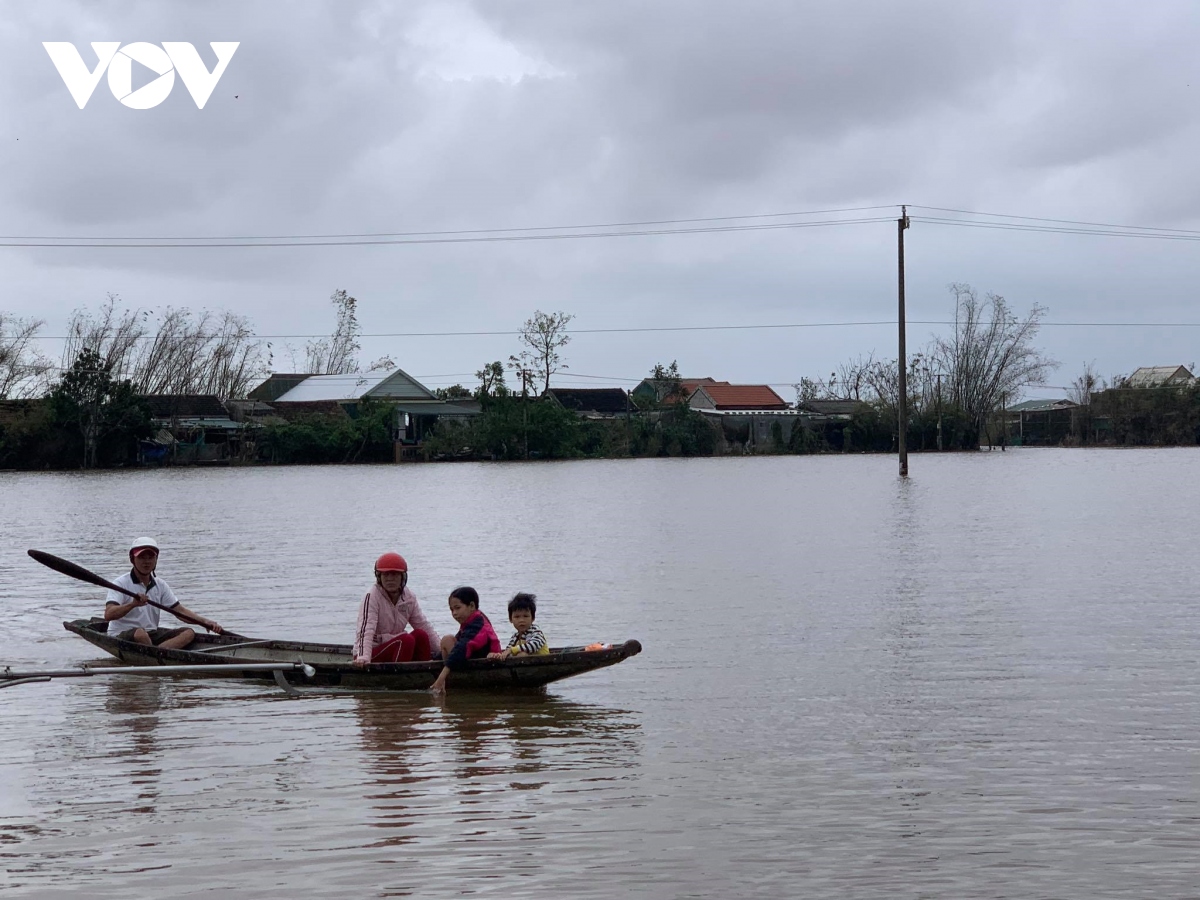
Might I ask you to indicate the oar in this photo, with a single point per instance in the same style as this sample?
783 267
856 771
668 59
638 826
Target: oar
70 569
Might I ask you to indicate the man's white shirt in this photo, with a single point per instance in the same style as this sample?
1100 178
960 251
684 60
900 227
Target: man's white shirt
145 617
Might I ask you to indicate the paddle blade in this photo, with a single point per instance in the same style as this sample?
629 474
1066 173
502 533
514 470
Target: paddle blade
70 569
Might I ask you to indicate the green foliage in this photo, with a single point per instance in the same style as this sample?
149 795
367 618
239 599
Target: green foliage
491 380
806 440
1160 416
958 431
365 437
777 442
509 424
870 428
102 414
31 439
675 430
666 388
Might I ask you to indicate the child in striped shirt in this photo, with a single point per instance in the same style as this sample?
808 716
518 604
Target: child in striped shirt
528 639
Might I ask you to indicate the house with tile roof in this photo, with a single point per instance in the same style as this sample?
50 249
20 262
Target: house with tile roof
746 397
748 413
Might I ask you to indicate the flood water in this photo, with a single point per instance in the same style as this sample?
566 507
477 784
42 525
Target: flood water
979 683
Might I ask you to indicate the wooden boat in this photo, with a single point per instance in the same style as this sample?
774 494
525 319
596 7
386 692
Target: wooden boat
332 662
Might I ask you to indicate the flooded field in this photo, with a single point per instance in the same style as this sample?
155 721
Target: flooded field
979 683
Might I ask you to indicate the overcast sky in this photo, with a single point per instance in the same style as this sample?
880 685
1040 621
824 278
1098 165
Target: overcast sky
340 117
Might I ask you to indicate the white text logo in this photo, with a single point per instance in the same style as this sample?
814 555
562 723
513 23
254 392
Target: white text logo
165 61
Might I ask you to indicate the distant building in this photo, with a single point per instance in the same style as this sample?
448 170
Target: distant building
747 413
744 397
831 409
592 403
276 386
395 384
1159 376
654 390
192 428
1040 422
417 407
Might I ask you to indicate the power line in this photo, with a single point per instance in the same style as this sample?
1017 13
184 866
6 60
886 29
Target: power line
970 212
481 231
640 228
109 244
683 328
1164 235
407 334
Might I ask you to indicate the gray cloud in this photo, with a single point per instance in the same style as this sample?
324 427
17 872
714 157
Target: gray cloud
389 117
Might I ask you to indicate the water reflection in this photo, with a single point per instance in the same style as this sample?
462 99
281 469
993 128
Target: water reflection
134 704
492 754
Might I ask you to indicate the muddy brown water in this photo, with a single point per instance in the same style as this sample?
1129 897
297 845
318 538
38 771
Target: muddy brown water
979 683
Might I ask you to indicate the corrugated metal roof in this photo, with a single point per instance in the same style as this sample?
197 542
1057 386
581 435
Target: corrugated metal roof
394 385
333 387
278 384
1153 376
1041 405
832 407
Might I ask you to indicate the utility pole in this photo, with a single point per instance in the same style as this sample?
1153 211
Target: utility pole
1003 421
938 376
526 376
902 425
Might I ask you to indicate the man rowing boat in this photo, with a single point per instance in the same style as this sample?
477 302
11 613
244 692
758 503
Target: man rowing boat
134 618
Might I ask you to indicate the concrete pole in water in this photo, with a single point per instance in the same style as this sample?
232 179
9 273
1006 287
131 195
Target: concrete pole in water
902 362
939 406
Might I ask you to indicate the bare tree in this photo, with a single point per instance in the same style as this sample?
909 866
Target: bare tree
1085 385
881 383
806 389
383 364
23 370
112 334
851 380
545 334
991 355
208 353
337 354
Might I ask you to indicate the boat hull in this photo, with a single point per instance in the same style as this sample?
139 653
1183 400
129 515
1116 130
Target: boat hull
332 662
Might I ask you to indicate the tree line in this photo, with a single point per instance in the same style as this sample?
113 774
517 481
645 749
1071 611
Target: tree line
114 356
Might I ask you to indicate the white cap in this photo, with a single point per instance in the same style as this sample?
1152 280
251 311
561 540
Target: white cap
142 543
